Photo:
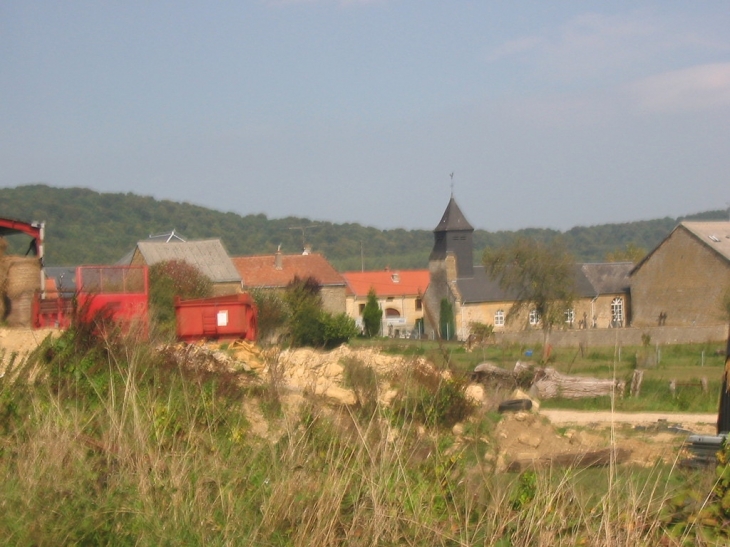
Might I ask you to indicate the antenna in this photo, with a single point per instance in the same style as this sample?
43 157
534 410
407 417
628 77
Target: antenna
303 228
452 183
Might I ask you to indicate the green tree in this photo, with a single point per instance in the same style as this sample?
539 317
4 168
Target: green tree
372 315
273 313
309 324
447 325
540 276
172 278
629 253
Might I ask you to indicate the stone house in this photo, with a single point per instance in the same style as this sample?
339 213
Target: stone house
275 272
685 279
207 255
400 297
602 289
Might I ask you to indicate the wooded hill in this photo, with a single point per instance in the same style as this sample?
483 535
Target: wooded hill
88 227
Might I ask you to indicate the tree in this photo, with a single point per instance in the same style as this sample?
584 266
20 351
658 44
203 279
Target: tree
372 315
172 278
309 323
541 278
273 313
447 325
630 253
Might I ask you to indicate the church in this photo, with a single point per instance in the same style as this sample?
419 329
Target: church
602 289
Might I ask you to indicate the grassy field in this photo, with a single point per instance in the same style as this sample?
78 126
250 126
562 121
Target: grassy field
105 441
686 364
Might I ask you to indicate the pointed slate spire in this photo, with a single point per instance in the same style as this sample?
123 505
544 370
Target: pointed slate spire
454 235
453 219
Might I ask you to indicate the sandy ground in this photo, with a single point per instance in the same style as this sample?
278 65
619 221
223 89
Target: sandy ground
584 418
21 342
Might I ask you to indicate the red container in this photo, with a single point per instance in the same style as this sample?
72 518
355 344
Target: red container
228 317
118 293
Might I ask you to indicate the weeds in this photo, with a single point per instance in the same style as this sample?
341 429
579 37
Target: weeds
115 444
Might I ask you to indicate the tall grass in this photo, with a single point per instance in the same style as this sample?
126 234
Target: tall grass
114 444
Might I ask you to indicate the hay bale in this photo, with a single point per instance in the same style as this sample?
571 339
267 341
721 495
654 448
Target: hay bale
19 314
23 275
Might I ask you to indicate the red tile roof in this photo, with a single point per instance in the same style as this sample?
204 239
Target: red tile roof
387 282
261 271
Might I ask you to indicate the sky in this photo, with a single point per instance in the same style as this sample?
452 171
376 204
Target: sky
536 114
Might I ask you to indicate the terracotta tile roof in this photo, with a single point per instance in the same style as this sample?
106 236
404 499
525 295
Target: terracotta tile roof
387 282
261 271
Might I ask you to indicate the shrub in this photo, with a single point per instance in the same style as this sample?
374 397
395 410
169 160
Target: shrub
172 278
372 315
273 313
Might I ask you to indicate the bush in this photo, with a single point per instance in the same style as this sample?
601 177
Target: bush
273 313
172 278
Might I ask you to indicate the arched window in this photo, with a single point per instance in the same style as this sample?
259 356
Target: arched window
617 312
499 318
570 316
534 318
392 312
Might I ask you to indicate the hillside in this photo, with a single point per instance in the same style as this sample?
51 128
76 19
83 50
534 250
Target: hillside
85 227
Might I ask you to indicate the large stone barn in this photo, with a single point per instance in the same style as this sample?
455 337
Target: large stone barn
685 279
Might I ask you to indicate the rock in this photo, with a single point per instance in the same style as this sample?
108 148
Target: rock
529 440
475 393
339 395
520 416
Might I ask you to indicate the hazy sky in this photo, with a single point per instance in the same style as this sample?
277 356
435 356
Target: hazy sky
549 114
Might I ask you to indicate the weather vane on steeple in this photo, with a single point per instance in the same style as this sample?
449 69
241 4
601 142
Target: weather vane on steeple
452 184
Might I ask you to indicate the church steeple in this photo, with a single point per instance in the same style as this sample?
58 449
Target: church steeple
454 234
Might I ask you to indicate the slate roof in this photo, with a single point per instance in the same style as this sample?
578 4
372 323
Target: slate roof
715 235
453 219
591 279
387 282
607 277
64 278
208 255
261 271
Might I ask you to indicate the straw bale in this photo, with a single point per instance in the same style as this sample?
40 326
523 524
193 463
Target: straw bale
4 264
24 274
20 310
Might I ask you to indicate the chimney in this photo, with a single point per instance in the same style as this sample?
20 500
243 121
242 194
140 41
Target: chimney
277 259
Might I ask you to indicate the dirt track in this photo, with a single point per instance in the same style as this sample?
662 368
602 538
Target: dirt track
688 421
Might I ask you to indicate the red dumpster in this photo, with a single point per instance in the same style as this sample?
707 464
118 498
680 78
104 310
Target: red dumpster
229 317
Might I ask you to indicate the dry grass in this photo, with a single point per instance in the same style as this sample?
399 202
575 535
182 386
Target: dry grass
115 447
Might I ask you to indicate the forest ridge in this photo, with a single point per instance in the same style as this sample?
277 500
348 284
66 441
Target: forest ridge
88 227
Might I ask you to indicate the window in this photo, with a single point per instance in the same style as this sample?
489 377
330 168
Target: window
534 318
419 304
570 316
617 312
499 318
389 299
362 308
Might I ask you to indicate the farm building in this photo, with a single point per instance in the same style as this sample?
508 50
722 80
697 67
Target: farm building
275 272
208 255
399 294
685 279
